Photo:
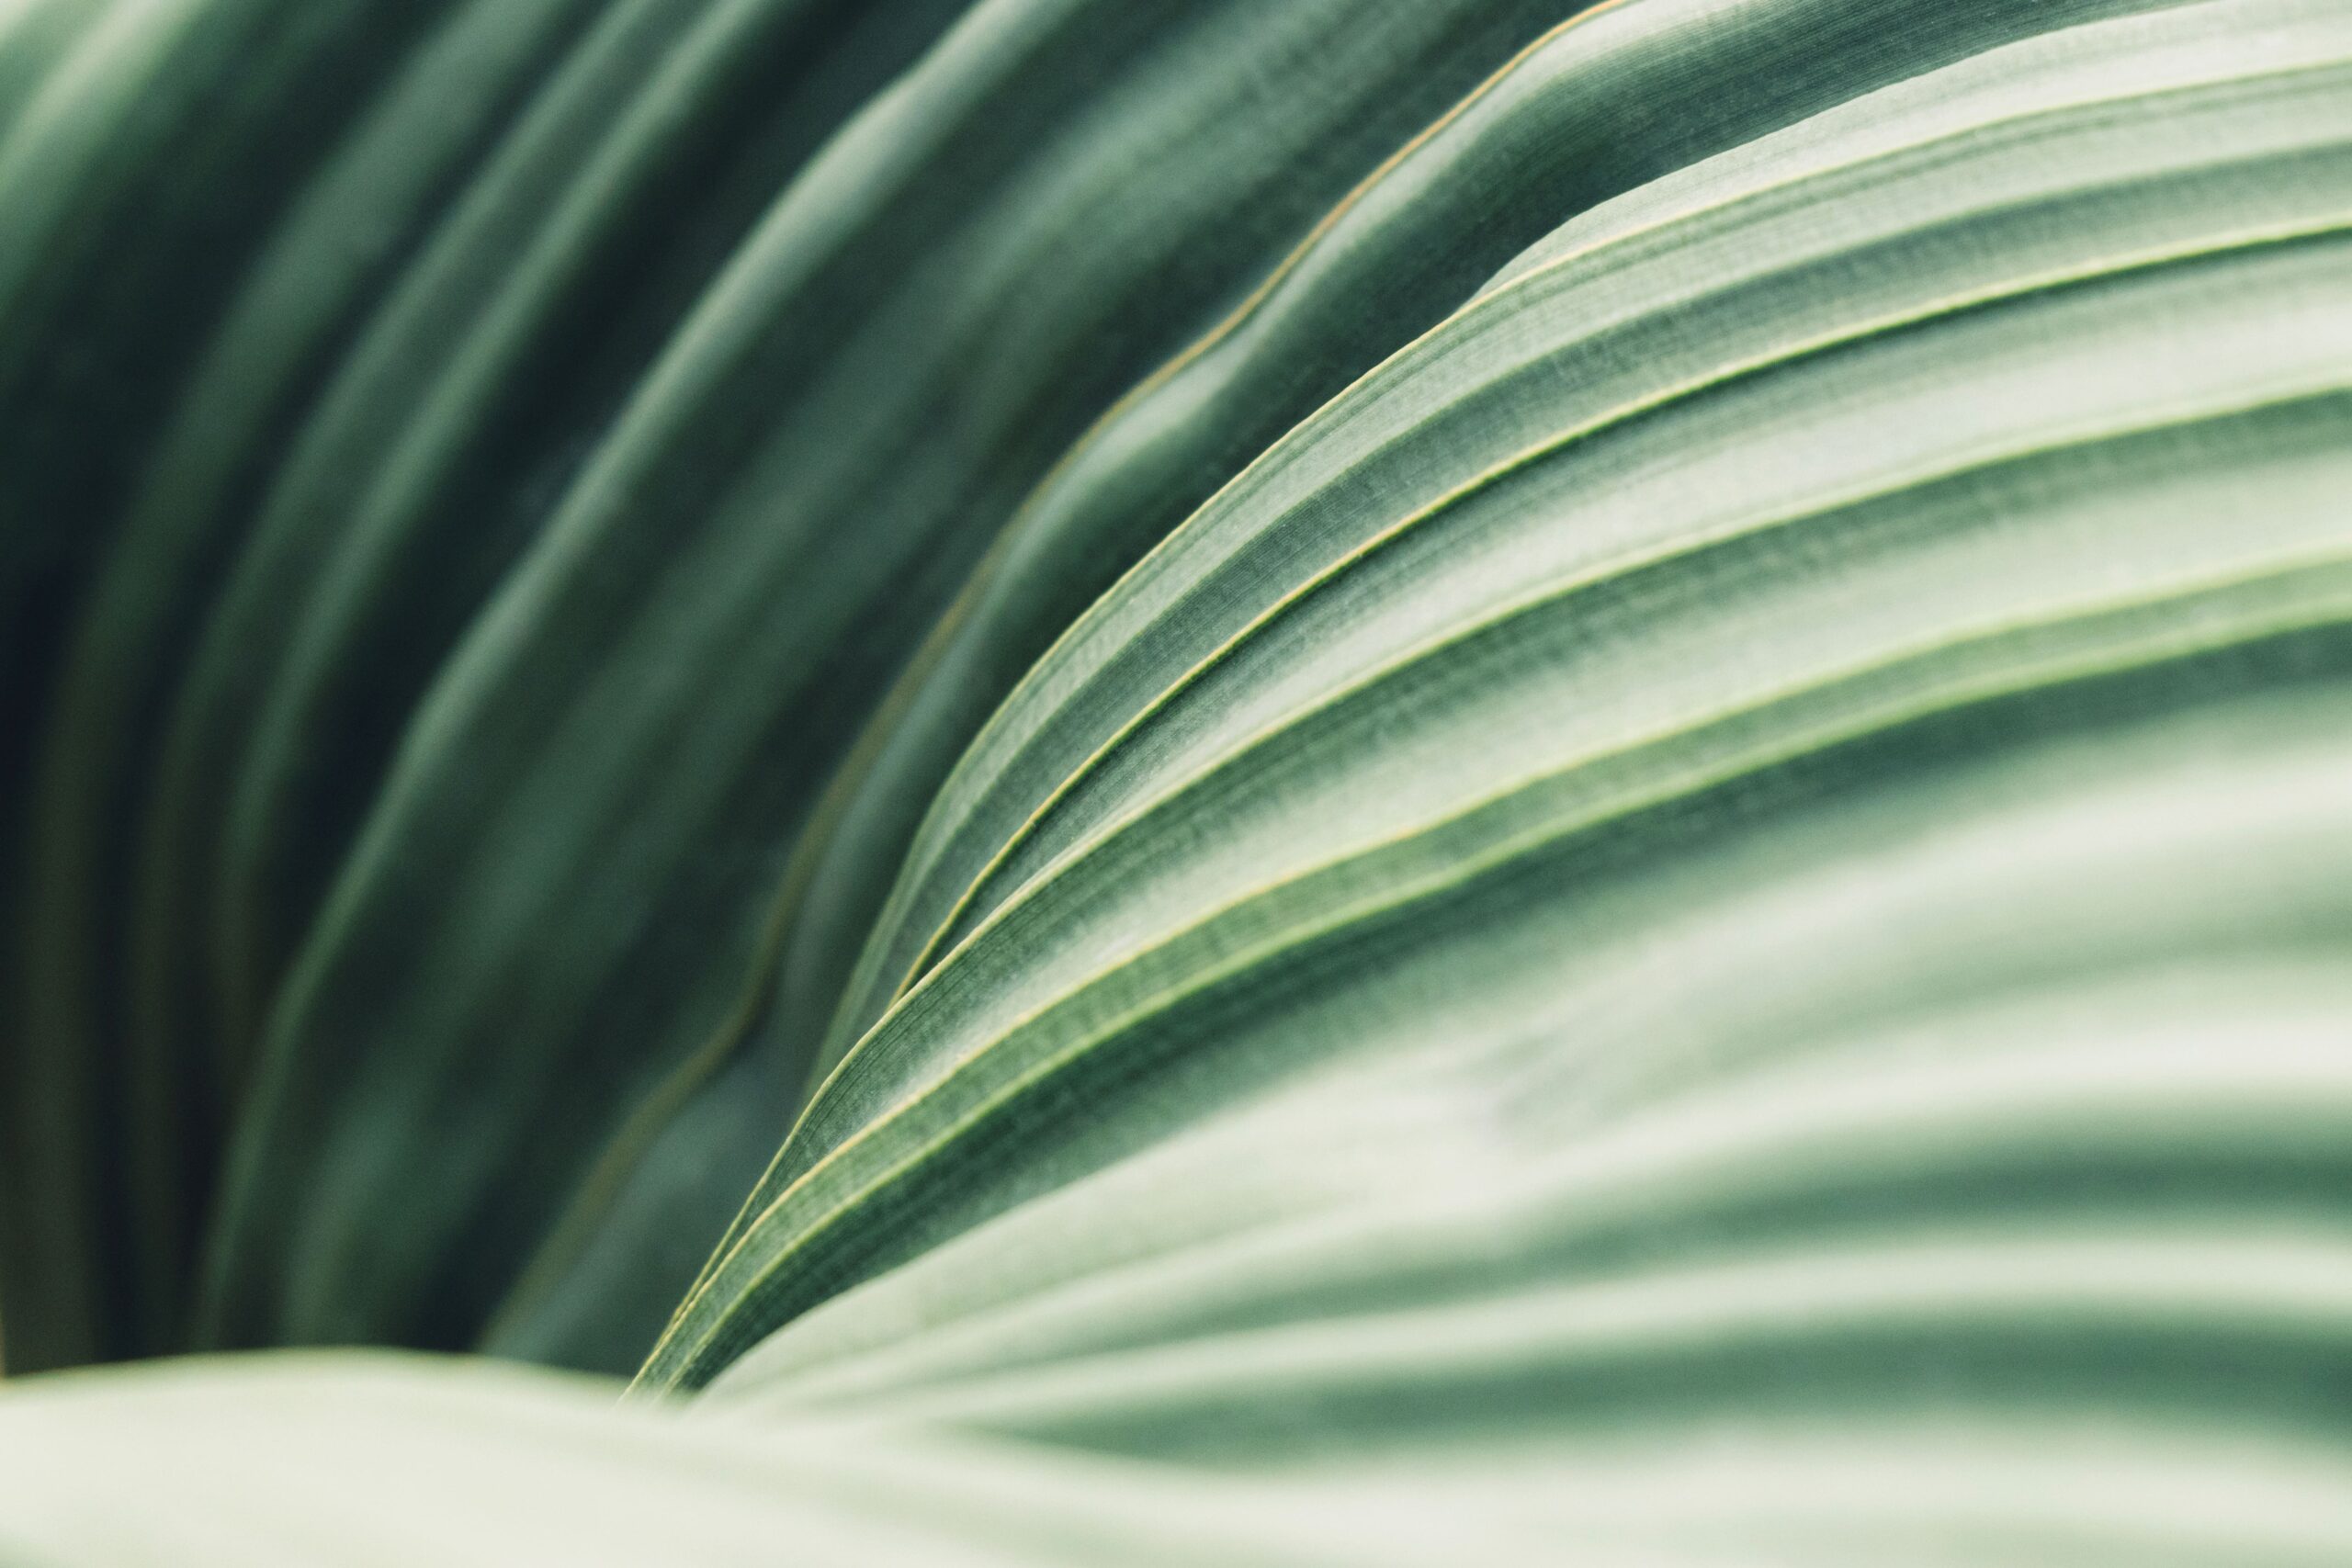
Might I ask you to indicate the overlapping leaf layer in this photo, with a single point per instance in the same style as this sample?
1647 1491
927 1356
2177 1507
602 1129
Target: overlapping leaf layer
1409 780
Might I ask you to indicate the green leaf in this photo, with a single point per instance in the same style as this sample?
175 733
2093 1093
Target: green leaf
1444 780
144 146
664 676
295 1459
1613 97
426 332
1727 519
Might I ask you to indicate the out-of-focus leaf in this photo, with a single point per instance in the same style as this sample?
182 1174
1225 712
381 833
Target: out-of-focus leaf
424 339
143 147
1838 519
299 1460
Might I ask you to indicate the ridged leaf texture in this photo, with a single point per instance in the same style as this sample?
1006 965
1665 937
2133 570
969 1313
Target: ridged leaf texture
1176 780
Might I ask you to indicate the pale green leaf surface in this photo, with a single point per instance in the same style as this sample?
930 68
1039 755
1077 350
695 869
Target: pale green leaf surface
1654 521
1619 96
376 1460
299 1459
1303 470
